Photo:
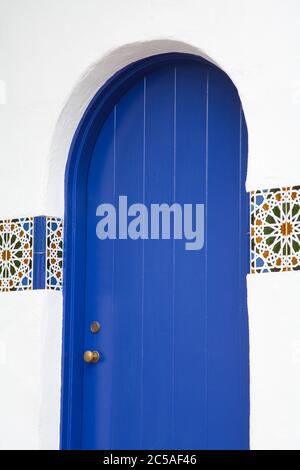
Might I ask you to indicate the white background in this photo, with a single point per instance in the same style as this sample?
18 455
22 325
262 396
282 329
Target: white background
54 55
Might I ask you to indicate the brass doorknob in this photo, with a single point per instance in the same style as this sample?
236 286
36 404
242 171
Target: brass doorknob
91 357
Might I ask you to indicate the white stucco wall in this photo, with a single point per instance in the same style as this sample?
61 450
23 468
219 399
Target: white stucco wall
54 55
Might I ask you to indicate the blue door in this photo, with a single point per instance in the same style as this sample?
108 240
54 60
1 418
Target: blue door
173 337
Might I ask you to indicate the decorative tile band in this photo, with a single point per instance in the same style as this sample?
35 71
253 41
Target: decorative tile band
54 256
16 254
31 253
275 230
31 248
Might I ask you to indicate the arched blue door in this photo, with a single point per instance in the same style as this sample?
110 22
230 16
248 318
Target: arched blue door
173 339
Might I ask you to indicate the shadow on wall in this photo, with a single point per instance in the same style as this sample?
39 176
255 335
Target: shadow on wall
90 82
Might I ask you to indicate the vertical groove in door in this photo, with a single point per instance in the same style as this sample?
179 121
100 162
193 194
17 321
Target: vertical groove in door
125 356
143 272
206 261
173 260
113 241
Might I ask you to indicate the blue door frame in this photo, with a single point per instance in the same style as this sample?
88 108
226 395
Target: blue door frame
75 237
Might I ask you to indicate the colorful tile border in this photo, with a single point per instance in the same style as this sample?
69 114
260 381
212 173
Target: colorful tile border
16 249
31 252
31 248
54 256
275 230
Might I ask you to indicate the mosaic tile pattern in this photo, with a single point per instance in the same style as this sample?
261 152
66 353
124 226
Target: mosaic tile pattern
54 255
275 230
16 247
274 238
